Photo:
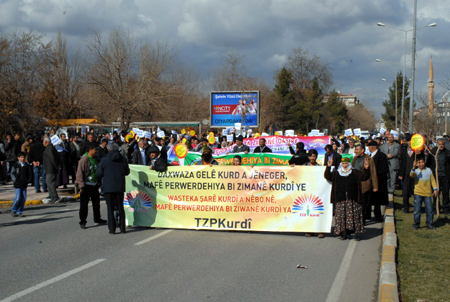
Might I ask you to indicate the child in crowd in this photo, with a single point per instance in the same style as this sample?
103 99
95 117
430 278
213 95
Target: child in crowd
425 187
21 176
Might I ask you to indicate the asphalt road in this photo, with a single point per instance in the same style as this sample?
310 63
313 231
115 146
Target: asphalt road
45 256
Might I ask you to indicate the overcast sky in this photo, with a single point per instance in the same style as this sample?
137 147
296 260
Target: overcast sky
343 33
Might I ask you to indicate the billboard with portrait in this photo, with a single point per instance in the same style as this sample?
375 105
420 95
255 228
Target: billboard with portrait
228 108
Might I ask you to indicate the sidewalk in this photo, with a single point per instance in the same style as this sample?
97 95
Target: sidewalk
7 195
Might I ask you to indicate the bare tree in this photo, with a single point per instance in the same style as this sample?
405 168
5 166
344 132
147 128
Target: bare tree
359 116
232 74
131 76
423 122
23 58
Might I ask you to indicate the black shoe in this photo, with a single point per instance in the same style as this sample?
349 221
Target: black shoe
406 211
343 235
358 237
38 191
101 221
112 233
45 191
430 227
21 215
13 214
83 226
415 227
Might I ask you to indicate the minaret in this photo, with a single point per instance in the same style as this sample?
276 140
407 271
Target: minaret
431 88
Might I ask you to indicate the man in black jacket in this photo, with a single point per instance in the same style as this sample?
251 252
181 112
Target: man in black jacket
441 156
300 156
140 155
336 156
12 149
262 148
380 197
36 157
21 175
51 166
407 158
112 169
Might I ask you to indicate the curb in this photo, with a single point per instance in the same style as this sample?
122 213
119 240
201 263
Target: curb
388 285
27 203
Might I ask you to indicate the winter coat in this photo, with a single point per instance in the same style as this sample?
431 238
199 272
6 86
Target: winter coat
51 160
372 182
36 152
21 175
333 176
113 168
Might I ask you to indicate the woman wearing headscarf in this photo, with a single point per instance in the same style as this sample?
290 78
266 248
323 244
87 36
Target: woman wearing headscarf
347 197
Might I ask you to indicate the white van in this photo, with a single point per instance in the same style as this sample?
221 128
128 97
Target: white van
365 134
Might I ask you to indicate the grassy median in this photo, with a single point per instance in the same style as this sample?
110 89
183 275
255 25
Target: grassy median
423 257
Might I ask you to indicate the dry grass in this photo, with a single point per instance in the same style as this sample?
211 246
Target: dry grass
423 257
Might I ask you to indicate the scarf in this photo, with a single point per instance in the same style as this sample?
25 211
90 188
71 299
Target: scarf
343 172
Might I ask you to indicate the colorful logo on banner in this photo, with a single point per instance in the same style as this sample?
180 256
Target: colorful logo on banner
308 205
138 201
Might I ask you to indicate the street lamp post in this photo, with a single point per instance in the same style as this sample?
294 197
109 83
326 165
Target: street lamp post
404 65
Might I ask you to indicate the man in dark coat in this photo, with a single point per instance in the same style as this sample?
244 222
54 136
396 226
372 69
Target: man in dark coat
240 147
112 169
300 157
262 148
336 156
406 164
51 166
36 157
441 155
141 155
380 197
392 151
12 149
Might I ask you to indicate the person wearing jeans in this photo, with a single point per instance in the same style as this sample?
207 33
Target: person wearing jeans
418 199
39 171
425 187
21 175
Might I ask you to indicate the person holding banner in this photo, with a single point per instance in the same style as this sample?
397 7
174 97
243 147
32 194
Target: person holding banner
300 156
262 148
113 168
312 156
347 197
237 160
240 147
206 159
158 159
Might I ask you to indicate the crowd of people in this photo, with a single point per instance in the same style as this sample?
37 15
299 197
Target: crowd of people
364 172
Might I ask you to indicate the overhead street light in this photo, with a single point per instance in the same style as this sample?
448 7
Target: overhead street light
411 104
